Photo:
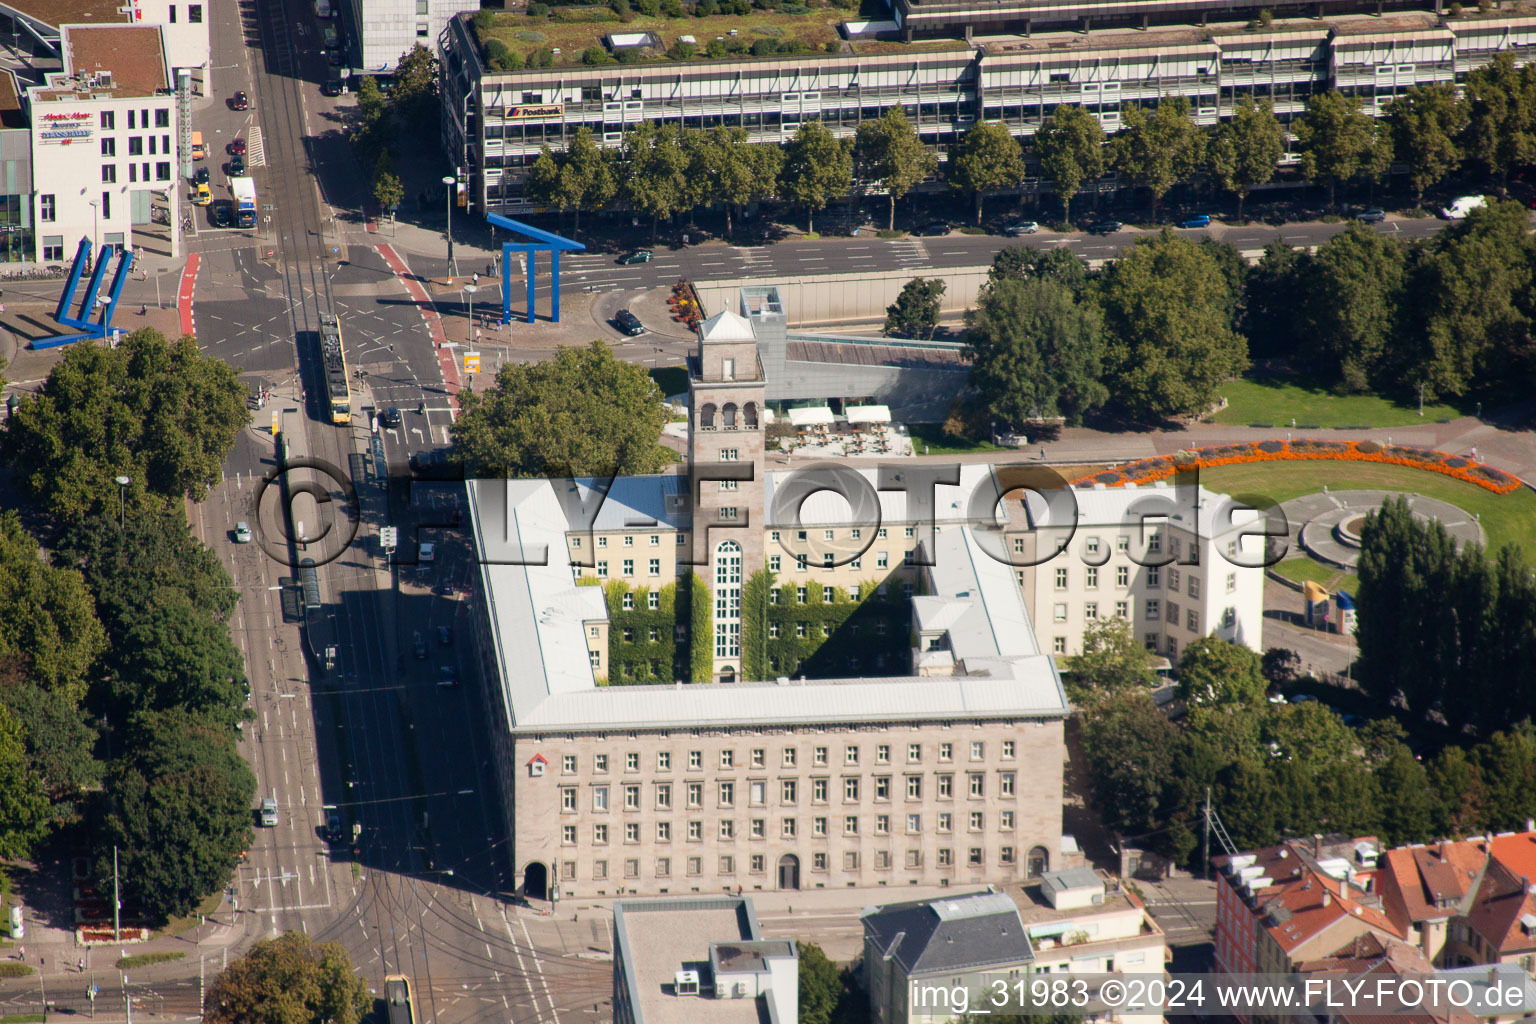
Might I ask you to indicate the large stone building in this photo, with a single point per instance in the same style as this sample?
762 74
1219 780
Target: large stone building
927 746
1036 55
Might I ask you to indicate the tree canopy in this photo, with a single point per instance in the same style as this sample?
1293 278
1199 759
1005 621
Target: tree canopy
582 413
159 412
1112 660
1245 149
1427 123
1035 350
818 168
1339 142
179 812
1167 313
1070 147
1157 149
889 153
987 158
915 312
289 980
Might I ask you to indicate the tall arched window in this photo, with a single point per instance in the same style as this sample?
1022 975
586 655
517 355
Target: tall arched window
749 415
728 416
1038 862
707 417
728 600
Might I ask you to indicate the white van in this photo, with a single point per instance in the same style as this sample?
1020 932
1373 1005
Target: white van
1460 208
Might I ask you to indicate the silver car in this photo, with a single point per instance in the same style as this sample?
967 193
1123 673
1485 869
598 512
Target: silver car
268 812
1023 227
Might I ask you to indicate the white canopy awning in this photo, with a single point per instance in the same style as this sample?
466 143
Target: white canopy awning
808 417
869 414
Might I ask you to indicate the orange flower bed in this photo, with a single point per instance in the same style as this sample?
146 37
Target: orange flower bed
1163 466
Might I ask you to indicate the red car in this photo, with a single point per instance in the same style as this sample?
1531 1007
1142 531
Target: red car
241 101
237 147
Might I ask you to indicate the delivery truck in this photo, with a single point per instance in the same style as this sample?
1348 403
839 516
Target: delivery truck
245 201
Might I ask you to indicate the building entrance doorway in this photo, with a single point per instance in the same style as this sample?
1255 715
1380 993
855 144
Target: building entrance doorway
536 881
789 871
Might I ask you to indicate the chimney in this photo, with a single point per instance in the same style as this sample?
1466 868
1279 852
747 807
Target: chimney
1327 898
1444 846
1317 844
1530 824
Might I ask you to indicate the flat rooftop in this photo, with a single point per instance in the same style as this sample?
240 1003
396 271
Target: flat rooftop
134 55
71 12
663 937
11 114
872 353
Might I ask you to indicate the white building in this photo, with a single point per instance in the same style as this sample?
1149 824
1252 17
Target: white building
700 961
387 29
103 140
186 22
1177 562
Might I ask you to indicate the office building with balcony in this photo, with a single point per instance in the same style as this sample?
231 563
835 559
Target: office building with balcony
1013 60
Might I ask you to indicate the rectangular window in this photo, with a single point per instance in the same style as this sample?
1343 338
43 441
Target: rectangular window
818 826
695 760
946 751
946 858
1005 821
789 757
788 791
568 764
883 787
664 761
107 119
629 567
850 791
851 755
819 791
600 833
787 828
600 763
727 759
632 832
757 793
882 560
946 786
1154 609
568 799
1173 578
1122 609
914 752
108 147
727 794
727 829
135 146
977 785
1059 645
664 831
1122 575
727 865
663 867
1091 610
1194 586
828 595
973 857
47 208
602 570
695 831
1061 579
759 828
664 796
1154 576
195 13
599 798
775 564
568 835
599 869
163 120
1231 582
946 822
1092 579
882 824
850 824
819 757
1192 620
978 750
914 858
914 823
1005 783
109 174
914 787
1007 750
978 821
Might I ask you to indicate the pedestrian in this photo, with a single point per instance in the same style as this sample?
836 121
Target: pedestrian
143 309
81 965
1042 454
22 950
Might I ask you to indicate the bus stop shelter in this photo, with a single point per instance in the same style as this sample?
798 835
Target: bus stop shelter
538 240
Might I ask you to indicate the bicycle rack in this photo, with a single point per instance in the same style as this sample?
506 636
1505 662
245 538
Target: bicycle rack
82 321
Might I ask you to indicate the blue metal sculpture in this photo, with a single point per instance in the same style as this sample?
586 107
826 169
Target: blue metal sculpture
542 241
81 321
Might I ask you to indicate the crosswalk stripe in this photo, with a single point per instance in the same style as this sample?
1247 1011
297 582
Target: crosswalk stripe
255 153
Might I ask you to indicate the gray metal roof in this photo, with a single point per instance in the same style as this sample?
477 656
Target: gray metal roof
957 933
1071 878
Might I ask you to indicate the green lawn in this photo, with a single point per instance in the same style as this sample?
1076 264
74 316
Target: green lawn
673 380
940 443
1506 518
523 34
1304 568
1275 402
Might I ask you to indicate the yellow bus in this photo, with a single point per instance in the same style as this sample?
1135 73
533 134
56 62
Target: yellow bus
333 363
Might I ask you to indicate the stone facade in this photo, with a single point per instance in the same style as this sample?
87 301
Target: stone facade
766 808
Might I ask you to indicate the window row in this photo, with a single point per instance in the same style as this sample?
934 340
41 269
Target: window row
138 118
821 827
757 863
756 791
789 757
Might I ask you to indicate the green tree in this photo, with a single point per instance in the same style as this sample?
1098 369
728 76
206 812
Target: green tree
1131 749
1500 98
1214 672
987 159
1339 142
59 743
176 656
817 169
1407 812
289 980
1035 351
543 184
1349 300
1456 784
1427 122
414 93
1272 315
1167 316
49 633
820 985
178 810
1245 149
586 175
1507 768
1468 339
1070 147
730 170
387 190
582 413
889 153
24 810
1025 262
915 313
1112 661
655 171
160 412
1158 149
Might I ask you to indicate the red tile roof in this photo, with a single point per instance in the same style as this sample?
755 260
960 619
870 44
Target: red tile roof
1502 900
1425 883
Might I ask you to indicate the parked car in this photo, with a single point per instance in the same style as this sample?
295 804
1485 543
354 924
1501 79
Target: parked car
1023 227
243 532
638 256
628 322
935 230
418 645
333 827
1371 216
1104 226
390 417
240 102
237 147
1199 220
331 86
268 812
1461 208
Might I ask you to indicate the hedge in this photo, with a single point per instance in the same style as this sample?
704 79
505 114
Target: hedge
701 654
643 660
843 636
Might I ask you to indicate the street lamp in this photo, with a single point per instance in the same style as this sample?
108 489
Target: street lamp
470 290
449 181
94 211
122 490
